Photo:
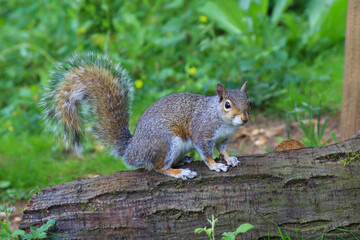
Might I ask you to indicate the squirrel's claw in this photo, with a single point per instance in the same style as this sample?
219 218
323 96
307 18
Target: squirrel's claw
186 174
219 167
232 161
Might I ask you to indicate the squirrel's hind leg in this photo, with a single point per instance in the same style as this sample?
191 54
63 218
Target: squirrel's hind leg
172 172
168 156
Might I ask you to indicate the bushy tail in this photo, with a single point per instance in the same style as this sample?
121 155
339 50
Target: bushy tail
93 88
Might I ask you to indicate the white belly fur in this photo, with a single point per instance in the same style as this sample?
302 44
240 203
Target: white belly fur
224 132
179 148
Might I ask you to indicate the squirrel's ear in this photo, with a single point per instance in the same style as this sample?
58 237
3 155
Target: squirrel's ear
220 89
243 88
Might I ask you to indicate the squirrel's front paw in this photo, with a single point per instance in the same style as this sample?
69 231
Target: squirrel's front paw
232 161
219 167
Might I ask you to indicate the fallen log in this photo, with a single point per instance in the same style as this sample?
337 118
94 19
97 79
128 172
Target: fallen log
306 192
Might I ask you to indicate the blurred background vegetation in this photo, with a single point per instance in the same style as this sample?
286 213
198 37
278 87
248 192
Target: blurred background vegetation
290 52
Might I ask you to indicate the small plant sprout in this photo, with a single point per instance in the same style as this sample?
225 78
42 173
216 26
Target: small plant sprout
313 132
226 235
210 232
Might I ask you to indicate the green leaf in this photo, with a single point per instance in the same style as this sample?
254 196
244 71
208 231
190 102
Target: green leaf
244 228
323 128
208 232
170 41
335 21
279 8
304 128
4 184
5 227
264 5
228 236
18 232
46 226
41 235
244 4
199 230
327 20
257 13
4 233
227 14
333 135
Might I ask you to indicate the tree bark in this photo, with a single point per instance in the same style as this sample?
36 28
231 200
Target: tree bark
350 111
305 191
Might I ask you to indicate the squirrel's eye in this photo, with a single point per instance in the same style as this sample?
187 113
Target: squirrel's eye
227 105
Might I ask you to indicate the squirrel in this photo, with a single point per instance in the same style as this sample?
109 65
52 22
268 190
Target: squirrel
92 87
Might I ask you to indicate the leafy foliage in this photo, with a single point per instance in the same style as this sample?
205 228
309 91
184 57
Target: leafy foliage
36 233
283 48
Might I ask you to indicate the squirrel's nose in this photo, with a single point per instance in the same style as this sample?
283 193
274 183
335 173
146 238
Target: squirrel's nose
244 118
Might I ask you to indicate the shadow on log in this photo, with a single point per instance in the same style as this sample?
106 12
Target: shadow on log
308 191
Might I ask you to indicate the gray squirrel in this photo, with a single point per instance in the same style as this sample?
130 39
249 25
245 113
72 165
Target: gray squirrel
92 87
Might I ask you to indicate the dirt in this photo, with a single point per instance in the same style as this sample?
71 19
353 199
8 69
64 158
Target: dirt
261 136
256 137
15 216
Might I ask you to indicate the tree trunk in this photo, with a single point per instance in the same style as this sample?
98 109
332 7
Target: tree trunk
350 113
305 191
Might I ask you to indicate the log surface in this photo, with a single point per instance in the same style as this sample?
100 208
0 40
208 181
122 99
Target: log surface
308 191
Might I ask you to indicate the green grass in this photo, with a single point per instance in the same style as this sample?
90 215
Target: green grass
320 82
38 161
351 158
333 232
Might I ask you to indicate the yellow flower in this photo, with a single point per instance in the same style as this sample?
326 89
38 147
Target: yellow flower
81 30
192 70
99 147
203 19
11 128
139 83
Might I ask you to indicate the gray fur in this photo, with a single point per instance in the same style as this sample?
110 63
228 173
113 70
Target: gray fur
168 129
52 115
153 134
